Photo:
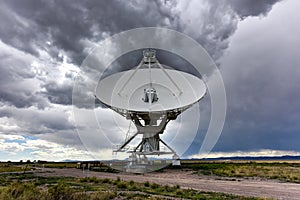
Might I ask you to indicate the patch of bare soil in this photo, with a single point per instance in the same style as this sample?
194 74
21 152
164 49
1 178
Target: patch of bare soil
186 179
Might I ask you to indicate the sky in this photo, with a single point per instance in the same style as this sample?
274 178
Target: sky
43 43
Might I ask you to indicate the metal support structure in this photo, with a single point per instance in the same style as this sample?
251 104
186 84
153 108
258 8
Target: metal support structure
150 61
133 73
147 123
150 144
169 77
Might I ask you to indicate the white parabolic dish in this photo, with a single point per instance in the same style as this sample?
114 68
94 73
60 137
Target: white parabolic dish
116 91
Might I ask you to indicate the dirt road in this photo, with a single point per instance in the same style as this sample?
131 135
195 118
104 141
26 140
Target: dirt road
244 187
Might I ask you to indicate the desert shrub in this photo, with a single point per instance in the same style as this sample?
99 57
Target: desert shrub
131 182
154 186
117 181
79 196
101 195
2 181
122 185
147 184
179 192
134 187
21 191
177 186
83 180
60 191
167 188
106 180
94 180
134 196
89 180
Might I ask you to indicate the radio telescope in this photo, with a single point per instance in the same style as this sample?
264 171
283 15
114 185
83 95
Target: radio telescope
150 96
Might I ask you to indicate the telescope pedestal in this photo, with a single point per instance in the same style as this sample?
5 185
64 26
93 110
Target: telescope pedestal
150 125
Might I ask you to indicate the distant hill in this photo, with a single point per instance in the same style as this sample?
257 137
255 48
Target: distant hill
286 157
70 160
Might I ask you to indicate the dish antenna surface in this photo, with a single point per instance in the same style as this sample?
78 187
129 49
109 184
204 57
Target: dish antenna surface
150 96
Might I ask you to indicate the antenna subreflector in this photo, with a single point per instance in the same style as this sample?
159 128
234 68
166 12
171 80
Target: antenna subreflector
149 56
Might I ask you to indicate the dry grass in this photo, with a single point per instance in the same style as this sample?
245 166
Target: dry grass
283 171
52 188
5 167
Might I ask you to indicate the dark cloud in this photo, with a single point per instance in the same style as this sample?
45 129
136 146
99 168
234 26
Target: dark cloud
53 33
247 8
45 25
18 85
17 31
66 23
261 76
212 23
34 121
60 27
59 93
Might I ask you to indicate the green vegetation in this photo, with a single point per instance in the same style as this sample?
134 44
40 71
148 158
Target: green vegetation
26 166
29 186
29 191
8 167
58 165
283 171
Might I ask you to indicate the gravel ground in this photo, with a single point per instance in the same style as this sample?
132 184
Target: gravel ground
186 179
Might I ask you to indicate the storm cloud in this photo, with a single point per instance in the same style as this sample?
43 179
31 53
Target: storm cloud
43 44
261 73
67 28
